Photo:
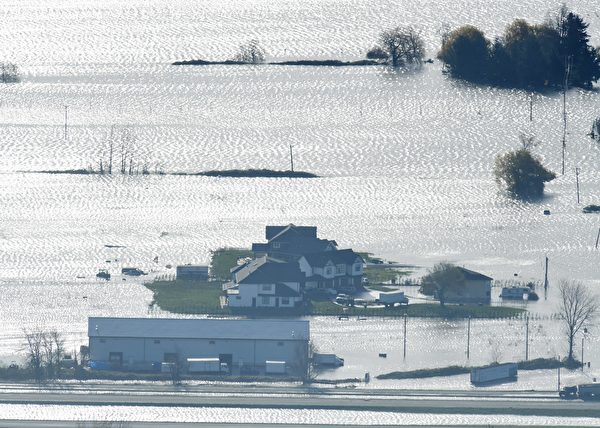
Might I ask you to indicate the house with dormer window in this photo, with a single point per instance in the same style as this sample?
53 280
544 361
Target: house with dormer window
289 243
266 282
341 269
292 260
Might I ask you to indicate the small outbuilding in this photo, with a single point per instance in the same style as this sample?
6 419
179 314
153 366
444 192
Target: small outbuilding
477 288
192 272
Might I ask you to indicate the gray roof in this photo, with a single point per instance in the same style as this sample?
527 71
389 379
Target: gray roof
266 270
320 259
178 328
274 231
472 275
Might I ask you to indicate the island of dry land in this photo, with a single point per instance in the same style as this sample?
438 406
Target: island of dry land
207 296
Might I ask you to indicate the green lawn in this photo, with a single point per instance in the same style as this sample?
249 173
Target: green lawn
185 296
223 259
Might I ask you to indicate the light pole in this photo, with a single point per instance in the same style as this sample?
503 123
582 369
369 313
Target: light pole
404 336
66 119
582 343
558 373
468 336
527 338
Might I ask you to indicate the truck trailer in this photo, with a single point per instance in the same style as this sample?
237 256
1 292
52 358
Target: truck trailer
331 360
390 299
495 373
585 391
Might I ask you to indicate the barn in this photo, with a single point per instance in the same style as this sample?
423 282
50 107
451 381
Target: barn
242 346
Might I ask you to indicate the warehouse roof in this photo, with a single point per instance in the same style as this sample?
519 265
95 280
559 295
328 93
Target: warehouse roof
178 328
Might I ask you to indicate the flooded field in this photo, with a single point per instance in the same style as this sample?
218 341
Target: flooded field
405 160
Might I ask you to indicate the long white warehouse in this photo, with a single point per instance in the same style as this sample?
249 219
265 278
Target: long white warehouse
240 345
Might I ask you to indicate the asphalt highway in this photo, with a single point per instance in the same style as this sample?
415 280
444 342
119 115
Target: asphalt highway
431 402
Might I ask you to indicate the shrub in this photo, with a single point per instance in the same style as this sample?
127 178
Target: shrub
465 53
522 174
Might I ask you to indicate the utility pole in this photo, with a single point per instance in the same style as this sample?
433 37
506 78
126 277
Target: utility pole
404 336
468 336
582 340
531 107
66 118
568 61
291 158
527 338
598 238
546 280
577 179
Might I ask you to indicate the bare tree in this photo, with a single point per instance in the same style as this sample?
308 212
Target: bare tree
577 306
528 142
34 353
400 46
9 72
251 53
44 352
54 350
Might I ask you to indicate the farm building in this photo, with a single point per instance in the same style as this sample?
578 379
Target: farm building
138 344
477 288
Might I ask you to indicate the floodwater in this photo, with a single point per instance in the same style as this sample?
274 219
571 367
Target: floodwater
405 160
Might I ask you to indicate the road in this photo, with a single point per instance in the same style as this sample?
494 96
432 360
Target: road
266 397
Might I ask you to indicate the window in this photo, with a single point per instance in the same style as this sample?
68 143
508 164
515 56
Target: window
238 297
339 269
357 267
265 300
102 340
266 287
285 300
211 342
156 341
328 271
276 245
279 343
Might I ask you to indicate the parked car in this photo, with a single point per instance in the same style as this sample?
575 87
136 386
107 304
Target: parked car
131 271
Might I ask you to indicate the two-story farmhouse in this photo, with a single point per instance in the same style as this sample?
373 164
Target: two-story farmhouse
293 259
290 242
342 269
266 282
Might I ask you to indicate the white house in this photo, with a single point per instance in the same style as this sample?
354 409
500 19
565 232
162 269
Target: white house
265 282
340 269
141 343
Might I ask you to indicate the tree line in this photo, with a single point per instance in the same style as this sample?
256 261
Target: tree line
553 54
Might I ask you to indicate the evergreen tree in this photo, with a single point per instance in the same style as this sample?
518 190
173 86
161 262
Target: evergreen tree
585 67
